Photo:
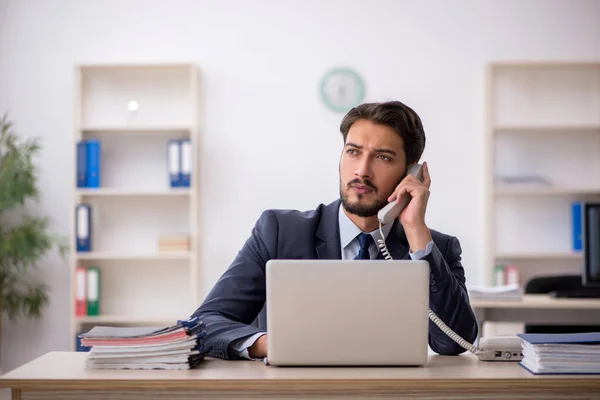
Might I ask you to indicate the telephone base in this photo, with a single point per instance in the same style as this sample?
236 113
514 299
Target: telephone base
500 348
500 355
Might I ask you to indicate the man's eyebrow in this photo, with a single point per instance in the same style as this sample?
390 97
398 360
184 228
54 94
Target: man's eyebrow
380 150
354 145
392 152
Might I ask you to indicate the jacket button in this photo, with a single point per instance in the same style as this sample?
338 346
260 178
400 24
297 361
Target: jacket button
433 282
434 289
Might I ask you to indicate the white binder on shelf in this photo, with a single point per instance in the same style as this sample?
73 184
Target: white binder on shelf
80 292
174 162
186 163
83 222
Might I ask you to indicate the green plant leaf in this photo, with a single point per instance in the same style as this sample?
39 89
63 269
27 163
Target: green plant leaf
25 242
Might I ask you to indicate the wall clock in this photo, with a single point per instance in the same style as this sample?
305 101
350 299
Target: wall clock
341 89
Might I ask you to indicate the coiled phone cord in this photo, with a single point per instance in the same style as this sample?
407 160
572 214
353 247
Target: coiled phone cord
436 320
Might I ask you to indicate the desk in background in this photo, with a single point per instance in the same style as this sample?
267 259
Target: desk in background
538 309
61 375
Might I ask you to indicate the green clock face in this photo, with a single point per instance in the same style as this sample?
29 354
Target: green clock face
342 89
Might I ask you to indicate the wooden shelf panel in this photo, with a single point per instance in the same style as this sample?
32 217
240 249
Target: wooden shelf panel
540 256
183 191
547 128
136 129
127 319
522 190
109 256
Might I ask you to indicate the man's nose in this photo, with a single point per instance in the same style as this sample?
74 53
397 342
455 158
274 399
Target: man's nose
363 169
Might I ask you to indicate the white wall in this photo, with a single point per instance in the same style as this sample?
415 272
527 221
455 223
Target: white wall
268 141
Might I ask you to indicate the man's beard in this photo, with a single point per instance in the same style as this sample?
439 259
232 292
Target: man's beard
361 210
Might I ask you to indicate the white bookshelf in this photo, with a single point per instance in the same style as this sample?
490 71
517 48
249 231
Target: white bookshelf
543 119
139 285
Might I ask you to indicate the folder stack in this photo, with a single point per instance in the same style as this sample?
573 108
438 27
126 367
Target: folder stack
572 353
179 346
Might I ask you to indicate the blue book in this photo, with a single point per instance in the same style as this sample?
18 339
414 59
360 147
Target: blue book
577 225
186 163
83 227
174 162
93 163
561 338
81 164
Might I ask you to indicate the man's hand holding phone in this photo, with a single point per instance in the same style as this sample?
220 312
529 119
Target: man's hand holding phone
412 217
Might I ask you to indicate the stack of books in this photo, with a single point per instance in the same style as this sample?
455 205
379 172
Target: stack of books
174 347
572 353
168 243
501 292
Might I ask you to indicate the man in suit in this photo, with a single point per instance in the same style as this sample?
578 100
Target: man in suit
381 141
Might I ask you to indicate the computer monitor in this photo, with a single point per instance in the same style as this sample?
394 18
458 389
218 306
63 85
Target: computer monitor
590 272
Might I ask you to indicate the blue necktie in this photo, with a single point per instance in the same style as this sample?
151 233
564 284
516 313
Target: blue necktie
365 240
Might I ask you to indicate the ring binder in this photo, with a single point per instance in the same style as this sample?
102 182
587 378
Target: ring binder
83 221
174 162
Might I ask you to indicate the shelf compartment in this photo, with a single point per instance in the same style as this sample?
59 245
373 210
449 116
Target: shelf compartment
106 94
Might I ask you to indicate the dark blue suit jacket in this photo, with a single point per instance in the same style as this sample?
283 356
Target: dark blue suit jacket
232 307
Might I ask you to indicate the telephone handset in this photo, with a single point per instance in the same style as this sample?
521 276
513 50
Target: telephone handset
491 349
388 213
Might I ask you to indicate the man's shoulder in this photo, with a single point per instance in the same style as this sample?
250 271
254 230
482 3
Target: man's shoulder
289 216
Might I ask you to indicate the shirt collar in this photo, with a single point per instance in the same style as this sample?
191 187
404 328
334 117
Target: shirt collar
349 231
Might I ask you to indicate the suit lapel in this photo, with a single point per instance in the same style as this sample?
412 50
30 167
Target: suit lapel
396 243
328 233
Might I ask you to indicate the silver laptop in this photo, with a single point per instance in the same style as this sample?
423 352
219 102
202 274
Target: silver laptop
358 313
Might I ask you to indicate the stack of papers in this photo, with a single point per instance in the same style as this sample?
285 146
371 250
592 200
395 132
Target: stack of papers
502 292
573 353
173 347
528 180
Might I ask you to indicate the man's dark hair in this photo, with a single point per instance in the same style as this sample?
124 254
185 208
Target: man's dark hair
397 116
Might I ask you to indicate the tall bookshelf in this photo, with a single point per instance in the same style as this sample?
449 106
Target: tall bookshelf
543 121
134 110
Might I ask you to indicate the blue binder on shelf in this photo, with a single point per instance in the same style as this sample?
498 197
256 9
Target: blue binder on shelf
93 163
83 227
577 225
81 164
174 162
186 163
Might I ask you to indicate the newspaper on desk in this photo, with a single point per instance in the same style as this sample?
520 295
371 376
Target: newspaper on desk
179 346
500 292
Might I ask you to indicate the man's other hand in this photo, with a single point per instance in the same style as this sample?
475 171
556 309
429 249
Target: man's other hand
259 348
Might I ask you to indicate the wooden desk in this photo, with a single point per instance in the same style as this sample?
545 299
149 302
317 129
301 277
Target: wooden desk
61 375
538 309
